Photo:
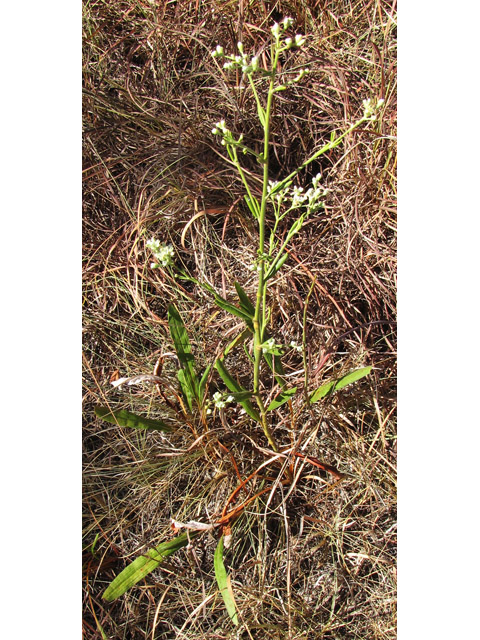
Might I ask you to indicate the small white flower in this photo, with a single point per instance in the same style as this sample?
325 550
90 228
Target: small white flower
230 399
218 52
299 40
288 43
276 30
240 46
254 63
287 22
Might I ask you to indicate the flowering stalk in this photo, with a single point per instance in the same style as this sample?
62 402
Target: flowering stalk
269 260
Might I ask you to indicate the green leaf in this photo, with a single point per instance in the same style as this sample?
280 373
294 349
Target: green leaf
336 385
145 564
233 386
231 308
252 204
282 397
245 302
275 364
127 419
186 390
237 340
203 381
223 581
275 268
184 353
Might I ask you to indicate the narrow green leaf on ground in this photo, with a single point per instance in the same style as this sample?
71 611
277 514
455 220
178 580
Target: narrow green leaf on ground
282 398
126 419
224 583
184 351
144 565
234 386
335 385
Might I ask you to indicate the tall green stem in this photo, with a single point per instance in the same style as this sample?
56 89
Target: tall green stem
258 320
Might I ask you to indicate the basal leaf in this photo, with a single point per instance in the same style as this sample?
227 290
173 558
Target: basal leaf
186 389
184 351
144 565
336 385
223 582
282 397
126 419
232 385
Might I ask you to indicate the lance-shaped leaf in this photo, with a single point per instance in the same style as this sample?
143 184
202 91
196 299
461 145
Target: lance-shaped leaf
275 364
235 387
237 340
203 381
336 385
188 379
282 397
235 311
245 302
253 206
224 584
276 266
126 419
142 566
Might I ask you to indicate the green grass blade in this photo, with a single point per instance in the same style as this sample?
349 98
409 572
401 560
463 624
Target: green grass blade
184 351
282 398
127 419
336 385
142 566
245 302
232 385
224 584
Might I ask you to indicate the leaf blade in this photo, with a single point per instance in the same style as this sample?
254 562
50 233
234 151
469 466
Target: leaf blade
183 348
335 385
143 565
234 386
223 581
282 397
127 419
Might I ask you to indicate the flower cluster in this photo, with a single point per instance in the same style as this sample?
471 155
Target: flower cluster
242 60
220 401
251 64
370 108
269 346
297 195
294 345
161 252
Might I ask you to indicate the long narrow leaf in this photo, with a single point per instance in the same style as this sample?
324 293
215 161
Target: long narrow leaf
235 311
237 340
203 381
275 364
184 350
282 398
233 386
224 584
335 385
126 419
245 302
144 565
186 389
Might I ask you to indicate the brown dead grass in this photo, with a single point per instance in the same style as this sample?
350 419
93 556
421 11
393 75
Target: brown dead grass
319 563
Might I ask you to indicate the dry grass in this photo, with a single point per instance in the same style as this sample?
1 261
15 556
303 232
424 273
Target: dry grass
320 562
